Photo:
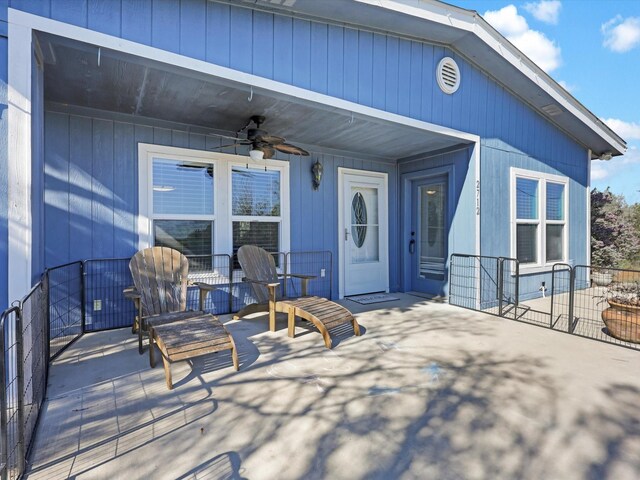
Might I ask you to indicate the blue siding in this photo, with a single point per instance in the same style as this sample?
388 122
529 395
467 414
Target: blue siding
91 197
384 71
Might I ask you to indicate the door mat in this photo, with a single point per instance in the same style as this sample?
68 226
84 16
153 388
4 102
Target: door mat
373 298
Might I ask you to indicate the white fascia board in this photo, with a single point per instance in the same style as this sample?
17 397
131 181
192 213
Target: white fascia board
469 21
320 100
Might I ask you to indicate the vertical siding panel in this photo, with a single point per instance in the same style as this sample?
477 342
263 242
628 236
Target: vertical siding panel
379 70
428 75
404 78
295 200
193 28
125 190
70 11
263 44
487 109
436 98
351 64
102 189
301 53
56 197
391 76
241 42
218 35
197 141
179 138
365 68
136 21
104 16
80 179
319 57
161 136
42 7
283 49
415 95
165 27
335 66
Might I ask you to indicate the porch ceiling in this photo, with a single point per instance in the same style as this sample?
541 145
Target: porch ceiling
131 85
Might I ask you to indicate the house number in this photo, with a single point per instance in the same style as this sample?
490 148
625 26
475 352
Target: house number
477 197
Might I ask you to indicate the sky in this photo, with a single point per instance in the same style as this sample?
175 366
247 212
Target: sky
592 48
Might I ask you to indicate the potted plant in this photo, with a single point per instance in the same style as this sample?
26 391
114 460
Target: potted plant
622 317
601 278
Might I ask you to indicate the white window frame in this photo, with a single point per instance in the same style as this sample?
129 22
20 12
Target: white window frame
541 264
223 164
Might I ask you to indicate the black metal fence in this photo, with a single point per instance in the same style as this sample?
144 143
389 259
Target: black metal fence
593 302
79 297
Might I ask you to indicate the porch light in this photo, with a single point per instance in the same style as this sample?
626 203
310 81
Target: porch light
431 192
316 170
163 188
256 155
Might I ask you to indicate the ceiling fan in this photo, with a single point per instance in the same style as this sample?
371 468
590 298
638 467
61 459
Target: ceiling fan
262 141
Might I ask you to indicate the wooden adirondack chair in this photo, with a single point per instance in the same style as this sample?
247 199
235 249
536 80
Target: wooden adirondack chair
160 276
260 271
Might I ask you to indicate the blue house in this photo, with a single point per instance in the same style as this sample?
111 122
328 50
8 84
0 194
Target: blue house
127 123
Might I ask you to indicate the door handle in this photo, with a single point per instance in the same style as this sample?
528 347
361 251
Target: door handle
412 246
346 234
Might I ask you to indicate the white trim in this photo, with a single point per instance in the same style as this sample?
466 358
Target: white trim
19 161
542 179
384 226
588 224
223 165
470 21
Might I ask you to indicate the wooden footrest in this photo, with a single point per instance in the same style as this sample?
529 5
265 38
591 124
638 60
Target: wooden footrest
324 314
188 338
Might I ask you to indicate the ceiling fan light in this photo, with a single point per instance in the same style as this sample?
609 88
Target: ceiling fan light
256 155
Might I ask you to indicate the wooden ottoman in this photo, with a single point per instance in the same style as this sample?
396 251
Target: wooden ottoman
192 337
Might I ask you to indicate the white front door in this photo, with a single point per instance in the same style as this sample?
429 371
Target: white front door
363 232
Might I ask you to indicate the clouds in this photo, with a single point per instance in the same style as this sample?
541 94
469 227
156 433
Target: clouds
627 130
534 44
601 169
620 34
547 11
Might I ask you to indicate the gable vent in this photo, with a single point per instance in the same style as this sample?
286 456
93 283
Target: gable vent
448 75
552 109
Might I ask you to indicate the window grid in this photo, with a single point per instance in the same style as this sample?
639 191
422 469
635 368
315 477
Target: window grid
551 205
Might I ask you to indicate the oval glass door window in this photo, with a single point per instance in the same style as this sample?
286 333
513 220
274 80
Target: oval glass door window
364 225
358 220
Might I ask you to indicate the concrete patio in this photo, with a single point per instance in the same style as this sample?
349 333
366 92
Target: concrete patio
429 391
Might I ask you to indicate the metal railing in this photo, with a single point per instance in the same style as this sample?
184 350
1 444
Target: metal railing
87 296
578 301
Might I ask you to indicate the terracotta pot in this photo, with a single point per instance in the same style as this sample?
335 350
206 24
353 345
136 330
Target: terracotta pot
622 321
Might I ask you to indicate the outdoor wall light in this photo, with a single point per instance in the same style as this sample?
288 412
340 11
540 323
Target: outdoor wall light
256 155
316 170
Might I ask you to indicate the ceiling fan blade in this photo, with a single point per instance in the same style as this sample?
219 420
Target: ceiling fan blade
270 139
268 151
239 144
228 137
291 149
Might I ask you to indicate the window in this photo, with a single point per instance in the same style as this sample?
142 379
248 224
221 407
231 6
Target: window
183 208
204 203
255 208
539 234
